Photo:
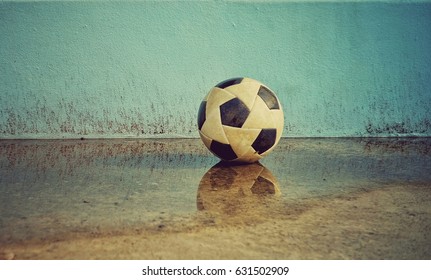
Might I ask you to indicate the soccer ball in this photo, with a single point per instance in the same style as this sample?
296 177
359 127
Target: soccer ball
240 120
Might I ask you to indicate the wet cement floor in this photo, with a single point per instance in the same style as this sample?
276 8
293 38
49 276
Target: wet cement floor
171 199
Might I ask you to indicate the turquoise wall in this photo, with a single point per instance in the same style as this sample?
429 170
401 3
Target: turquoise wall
141 68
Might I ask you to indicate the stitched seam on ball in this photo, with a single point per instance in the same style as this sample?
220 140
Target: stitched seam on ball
243 83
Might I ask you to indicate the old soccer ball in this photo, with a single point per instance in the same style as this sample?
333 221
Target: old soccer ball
240 120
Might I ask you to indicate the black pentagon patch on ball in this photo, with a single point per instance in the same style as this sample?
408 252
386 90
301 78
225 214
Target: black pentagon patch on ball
223 151
229 82
234 113
265 140
268 97
262 186
202 114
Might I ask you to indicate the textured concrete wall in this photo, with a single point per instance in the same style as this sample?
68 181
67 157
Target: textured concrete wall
140 69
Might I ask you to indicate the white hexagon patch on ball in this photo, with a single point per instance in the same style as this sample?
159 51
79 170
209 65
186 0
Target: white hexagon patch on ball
240 120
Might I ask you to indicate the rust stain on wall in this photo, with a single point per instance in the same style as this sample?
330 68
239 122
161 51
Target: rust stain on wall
71 120
399 128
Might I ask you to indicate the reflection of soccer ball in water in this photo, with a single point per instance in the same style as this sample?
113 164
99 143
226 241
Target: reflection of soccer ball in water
240 120
231 189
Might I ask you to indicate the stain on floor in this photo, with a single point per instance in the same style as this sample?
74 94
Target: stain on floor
170 199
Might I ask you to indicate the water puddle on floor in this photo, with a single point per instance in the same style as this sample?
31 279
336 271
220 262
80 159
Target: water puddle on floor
60 189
